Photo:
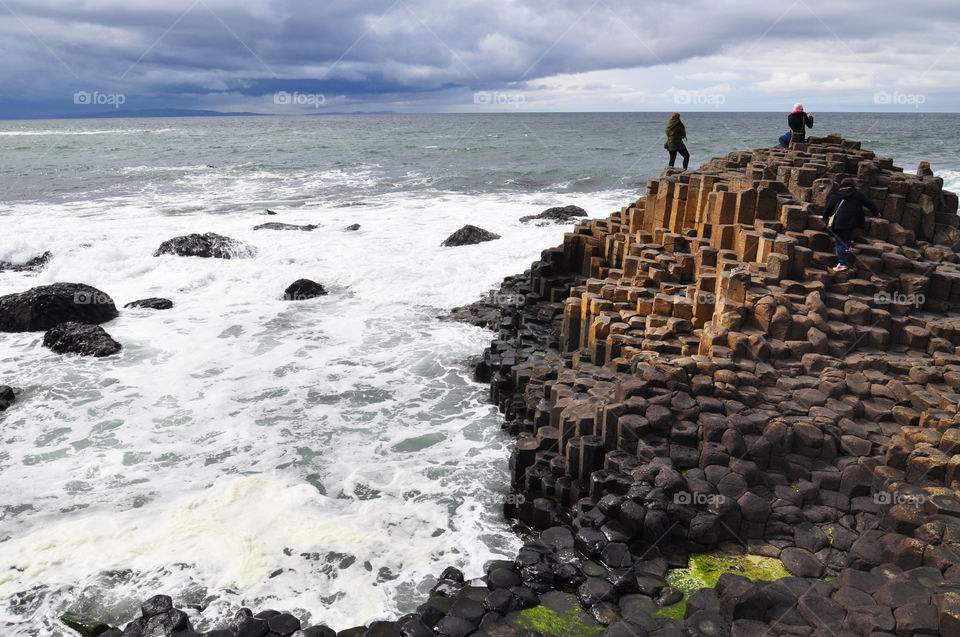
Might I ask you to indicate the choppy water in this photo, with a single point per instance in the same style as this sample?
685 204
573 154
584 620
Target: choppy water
325 455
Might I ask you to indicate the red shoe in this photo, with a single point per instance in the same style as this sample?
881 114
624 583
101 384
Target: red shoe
840 268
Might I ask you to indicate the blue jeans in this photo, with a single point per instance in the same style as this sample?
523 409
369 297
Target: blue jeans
843 239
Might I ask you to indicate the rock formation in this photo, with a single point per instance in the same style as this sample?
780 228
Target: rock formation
80 338
303 289
153 303
558 214
469 235
207 245
43 307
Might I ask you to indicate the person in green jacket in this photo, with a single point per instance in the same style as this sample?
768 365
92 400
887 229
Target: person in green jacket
676 133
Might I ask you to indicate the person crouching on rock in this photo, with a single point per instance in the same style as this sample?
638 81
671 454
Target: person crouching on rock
799 121
676 133
842 214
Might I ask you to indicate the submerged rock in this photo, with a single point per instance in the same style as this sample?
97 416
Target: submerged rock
6 396
273 225
153 303
353 227
469 235
303 289
43 307
207 245
558 214
80 338
35 264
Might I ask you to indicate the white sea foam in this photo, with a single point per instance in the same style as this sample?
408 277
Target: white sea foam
237 424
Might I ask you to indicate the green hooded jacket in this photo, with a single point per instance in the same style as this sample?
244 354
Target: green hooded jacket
676 133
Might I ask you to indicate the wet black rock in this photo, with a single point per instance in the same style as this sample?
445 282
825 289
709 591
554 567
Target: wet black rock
273 225
353 227
34 264
207 245
6 397
156 605
43 307
303 289
153 303
558 214
469 235
283 624
80 338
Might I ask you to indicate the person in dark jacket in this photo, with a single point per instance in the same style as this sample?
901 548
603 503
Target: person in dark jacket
799 121
843 213
676 133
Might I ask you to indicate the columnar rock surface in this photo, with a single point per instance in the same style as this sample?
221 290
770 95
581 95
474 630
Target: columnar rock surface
690 373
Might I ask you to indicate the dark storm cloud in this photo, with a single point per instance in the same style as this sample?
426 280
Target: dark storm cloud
397 47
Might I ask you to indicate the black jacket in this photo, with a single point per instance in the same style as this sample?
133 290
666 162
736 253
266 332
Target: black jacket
798 121
848 204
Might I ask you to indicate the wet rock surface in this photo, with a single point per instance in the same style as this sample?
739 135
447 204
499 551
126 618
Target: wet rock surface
153 303
34 264
285 226
558 214
689 375
469 235
207 245
43 307
303 289
80 338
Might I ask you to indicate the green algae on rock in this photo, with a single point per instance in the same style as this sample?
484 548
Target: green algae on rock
704 569
558 614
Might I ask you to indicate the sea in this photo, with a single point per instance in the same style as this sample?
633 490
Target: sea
331 456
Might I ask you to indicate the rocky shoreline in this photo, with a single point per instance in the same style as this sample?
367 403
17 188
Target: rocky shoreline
688 378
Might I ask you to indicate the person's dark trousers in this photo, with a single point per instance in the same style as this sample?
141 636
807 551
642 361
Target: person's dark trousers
843 239
683 153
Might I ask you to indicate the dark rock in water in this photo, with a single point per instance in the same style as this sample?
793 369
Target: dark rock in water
269 212
86 626
208 245
283 624
43 307
273 225
469 235
80 338
35 264
6 397
303 289
153 303
558 214
453 574
156 605
352 227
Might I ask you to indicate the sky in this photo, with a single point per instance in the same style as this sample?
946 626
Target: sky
78 57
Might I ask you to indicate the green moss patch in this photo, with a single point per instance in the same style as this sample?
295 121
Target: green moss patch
559 615
704 569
